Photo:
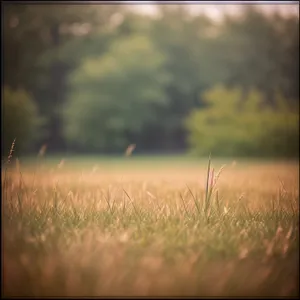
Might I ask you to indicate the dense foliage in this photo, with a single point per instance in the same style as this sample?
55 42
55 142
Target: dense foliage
103 76
19 119
233 125
129 78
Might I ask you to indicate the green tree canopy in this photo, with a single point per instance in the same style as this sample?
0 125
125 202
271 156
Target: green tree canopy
113 97
255 50
20 120
231 125
44 44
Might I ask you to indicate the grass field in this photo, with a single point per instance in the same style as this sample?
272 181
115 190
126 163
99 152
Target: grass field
150 227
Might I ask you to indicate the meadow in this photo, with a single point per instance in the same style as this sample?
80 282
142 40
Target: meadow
163 226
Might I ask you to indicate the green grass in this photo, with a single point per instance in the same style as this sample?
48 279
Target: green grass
144 161
150 227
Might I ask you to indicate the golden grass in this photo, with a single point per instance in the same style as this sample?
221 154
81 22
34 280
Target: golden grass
77 233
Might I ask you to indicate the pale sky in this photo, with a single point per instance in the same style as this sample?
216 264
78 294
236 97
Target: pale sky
215 10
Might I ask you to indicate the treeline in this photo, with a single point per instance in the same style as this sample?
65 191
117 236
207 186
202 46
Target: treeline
95 78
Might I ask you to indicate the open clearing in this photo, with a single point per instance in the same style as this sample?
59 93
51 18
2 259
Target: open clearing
148 227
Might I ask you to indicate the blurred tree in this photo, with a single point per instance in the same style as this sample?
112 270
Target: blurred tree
20 120
185 41
39 43
288 30
232 126
113 98
259 51
43 44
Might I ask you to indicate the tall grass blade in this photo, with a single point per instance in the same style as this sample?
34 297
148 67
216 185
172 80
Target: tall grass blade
195 200
107 201
218 202
20 205
6 166
184 204
136 211
210 189
207 184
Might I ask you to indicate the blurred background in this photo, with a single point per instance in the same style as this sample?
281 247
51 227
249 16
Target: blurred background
199 79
